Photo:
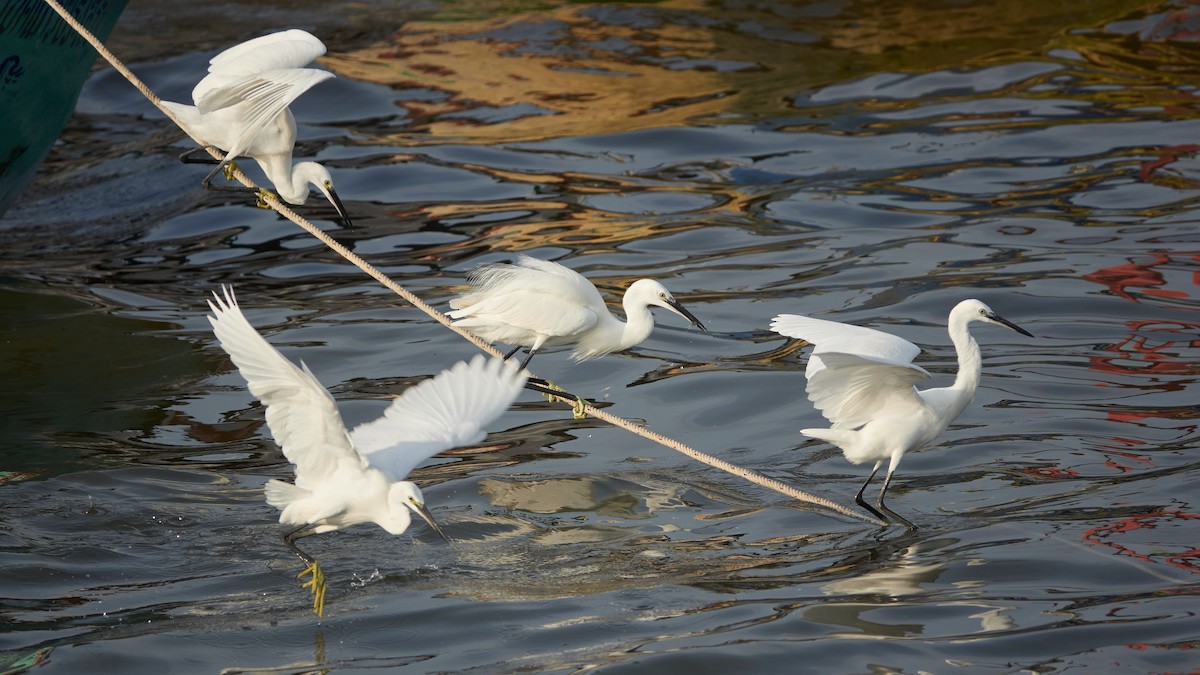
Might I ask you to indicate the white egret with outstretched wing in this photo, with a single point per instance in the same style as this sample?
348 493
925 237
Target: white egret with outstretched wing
346 478
864 382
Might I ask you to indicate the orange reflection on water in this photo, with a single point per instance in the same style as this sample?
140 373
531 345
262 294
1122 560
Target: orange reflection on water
540 75
531 71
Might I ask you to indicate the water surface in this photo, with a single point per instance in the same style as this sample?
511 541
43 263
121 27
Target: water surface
867 162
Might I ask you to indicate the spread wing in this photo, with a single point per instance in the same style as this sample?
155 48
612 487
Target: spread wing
263 76
301 414
261 98
285 49
851 389
441 413
831 336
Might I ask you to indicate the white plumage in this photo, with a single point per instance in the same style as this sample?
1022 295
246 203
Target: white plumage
537 303
863 382
345 478
241 107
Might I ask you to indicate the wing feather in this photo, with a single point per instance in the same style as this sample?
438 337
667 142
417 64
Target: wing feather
851 389
533 295
301 414
262 77
575 286
285 49
832 336
260 99
441 413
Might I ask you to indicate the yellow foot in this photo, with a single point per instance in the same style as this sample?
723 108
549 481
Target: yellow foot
317 584
230 167
577 405
551 398
577 410
263 194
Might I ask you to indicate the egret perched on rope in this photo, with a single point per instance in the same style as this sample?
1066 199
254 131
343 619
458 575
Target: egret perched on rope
342 478
242 108
862 381
538 303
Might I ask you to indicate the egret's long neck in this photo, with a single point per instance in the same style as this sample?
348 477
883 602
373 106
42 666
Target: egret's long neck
289 181
969 361
613 335
638 323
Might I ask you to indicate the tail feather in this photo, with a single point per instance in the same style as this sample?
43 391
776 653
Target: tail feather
843 438
281 494
187 114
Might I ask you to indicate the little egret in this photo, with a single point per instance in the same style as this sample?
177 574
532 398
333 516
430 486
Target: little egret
862 381
242 108
342 478
537 303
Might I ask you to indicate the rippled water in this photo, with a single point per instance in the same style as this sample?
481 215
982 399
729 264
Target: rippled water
867 162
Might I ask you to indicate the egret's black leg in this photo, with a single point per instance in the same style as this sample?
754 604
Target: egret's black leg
858 498
317 583
542 387
289 540
193 157
892 514
534 380
553 393
525 363
209 185
187 158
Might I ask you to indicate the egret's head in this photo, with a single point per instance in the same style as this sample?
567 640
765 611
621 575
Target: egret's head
649 292
317 175
404 496
976 310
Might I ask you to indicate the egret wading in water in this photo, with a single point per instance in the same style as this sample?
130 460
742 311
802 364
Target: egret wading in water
241 107
346 478
862 381
537 303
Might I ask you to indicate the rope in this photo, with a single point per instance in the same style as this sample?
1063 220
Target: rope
284 210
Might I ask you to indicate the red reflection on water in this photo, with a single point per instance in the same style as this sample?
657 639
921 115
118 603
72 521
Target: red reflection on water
1166 156
1125 468
1188 559
1143 275
1051 472
1157 357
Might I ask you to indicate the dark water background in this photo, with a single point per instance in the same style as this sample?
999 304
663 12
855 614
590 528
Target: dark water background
871 162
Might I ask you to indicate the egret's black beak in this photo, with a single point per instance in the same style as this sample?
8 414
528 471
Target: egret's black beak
424 513
999 319
337 204
682 311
